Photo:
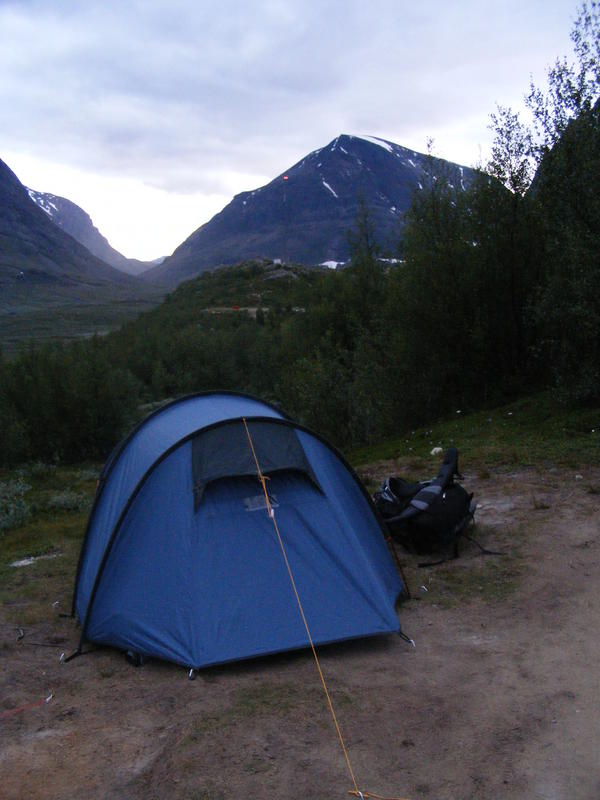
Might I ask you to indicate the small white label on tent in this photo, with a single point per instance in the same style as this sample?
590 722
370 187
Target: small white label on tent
259 502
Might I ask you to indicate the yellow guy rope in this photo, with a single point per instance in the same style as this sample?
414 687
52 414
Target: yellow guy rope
263 481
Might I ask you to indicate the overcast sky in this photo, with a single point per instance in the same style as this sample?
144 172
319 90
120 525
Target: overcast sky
151 114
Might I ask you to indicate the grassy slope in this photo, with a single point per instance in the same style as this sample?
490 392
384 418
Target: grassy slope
254 284
533 431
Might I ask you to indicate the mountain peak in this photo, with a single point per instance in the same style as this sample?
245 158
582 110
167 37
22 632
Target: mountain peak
305 213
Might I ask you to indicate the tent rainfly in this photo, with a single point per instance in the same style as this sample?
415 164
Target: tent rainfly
181 559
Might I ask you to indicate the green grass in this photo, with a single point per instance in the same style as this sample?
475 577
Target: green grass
472 576
67 323
264 699
533 431
487 578
251 702
27 594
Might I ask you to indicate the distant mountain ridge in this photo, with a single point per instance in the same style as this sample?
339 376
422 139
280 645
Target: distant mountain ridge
78 223
33 245
304 214
42 266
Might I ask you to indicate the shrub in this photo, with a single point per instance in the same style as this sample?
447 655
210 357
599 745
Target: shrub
14 508
88 474
39 470
69 501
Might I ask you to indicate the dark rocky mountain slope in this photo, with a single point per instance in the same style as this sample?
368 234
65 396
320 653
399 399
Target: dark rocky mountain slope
42 265
304 214
51 287
78 223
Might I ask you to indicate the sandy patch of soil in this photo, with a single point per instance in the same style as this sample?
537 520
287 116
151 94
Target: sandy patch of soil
499 699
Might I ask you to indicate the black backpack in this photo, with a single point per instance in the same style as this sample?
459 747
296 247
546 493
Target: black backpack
428 516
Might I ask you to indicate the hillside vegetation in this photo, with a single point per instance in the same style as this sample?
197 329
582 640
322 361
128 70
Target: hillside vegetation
494 295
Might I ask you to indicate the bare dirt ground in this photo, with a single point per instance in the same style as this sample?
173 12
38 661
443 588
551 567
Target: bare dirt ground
499 699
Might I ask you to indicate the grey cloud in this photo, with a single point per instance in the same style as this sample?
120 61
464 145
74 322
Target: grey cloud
177 93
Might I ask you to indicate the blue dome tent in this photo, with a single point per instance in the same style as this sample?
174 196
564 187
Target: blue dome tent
181 560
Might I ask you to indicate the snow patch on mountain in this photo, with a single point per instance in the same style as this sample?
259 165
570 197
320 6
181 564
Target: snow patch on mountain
327 186
42 202
380 142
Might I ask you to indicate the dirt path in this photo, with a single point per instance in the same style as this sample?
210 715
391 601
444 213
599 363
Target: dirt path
500 698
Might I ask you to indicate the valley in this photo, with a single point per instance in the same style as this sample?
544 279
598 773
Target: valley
27 325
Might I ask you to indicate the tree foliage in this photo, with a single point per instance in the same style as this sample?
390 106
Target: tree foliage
566 193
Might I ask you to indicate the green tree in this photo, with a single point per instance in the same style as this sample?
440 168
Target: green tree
572 87
566 191
431 299
512 160
13 428
508 233
365 286
315 389
567 311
